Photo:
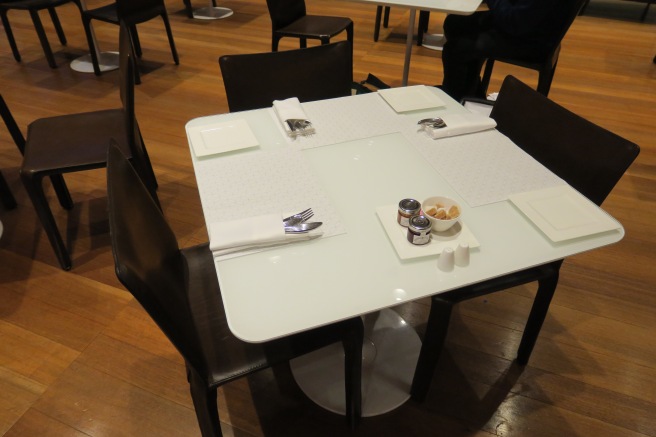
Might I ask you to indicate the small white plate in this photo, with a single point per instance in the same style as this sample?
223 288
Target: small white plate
222 137
411 98
397 234
563 213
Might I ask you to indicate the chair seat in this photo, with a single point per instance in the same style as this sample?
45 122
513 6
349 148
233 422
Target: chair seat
105 13
32 4
237 358
315 26
73 141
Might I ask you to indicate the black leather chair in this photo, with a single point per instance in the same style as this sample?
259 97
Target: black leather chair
6 196
254 81
544 63
590 158
76 142
130 12
179 290
57 180
34 6
289 18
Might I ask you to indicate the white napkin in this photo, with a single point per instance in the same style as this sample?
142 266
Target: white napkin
291 109
460 124
251 233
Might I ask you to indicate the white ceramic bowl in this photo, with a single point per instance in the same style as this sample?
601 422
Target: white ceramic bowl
445 203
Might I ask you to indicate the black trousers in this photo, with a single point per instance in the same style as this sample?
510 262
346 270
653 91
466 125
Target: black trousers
470 40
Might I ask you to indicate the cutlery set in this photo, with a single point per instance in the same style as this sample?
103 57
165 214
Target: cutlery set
296 223
299 127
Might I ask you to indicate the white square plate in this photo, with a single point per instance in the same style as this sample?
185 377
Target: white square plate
222 137
411 98
563 213
397 234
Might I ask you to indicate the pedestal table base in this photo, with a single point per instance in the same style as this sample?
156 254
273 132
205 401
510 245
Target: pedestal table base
390 352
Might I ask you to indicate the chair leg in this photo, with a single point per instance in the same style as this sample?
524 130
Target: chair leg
431 348
43 38
275 39
205 404
546 290
353 377
136 43
188 8
379 13
422 26
349 34
645 11
6 196
86 22
34 186
169 33
386 17
63 195
10 36
58 27
303 43
487 75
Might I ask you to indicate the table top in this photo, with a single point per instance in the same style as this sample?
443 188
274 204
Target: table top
460 7
354 269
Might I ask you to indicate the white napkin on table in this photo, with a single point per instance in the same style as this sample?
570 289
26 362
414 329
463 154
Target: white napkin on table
291 109
460 124
251 233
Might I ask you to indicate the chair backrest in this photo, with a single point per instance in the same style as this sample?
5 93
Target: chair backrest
285 12
254 81
142 9
568 17
147 259
588 157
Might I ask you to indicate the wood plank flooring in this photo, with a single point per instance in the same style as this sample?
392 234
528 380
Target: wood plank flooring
79 357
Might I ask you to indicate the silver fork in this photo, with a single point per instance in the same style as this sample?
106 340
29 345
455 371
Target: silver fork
298 218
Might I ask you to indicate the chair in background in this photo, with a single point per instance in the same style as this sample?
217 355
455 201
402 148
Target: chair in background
57 180
254 81
34 6
6 197
588 157
190 10
544 63
289 18
180 291
76 142
422 25
130 12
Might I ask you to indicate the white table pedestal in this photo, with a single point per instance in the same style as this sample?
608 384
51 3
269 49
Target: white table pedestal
212 12
107 61
390 353
433 41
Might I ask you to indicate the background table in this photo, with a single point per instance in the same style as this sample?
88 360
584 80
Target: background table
459 7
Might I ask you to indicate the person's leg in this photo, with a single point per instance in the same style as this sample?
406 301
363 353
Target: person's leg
462 57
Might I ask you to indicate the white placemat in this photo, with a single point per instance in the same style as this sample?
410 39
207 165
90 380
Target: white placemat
348 119
261 182
483 167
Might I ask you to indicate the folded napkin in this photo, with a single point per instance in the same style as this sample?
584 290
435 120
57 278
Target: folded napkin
460 124
291 109
252 233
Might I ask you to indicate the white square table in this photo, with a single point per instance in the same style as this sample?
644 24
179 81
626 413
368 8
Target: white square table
292 288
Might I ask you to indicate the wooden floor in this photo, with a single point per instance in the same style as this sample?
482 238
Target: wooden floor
79 357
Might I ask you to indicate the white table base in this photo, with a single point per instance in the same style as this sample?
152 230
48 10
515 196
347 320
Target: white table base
433 41
212 13
390 353
107 61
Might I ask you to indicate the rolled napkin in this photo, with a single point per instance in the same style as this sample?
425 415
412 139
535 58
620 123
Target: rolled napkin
460 124
252 233
293 118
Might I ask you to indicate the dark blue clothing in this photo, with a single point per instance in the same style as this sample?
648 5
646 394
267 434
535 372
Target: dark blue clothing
511 28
